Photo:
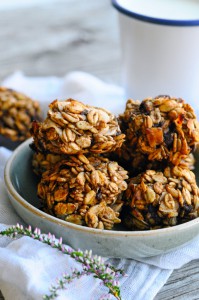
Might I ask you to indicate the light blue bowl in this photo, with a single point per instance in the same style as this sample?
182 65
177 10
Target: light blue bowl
21 184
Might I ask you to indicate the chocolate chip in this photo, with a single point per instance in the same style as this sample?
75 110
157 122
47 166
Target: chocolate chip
168 139
99 195
145 108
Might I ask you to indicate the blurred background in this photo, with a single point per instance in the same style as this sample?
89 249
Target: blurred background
53 37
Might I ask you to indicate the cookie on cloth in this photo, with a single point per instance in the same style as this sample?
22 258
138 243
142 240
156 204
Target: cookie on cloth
17 111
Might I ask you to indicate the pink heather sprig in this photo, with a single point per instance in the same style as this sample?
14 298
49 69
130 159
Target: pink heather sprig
90 264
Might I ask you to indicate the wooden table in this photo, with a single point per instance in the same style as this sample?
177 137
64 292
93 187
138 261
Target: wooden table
73 35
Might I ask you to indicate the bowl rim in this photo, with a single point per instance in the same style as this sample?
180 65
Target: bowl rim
161 21
32 209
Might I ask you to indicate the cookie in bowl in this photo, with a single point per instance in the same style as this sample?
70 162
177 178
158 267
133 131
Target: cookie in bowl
160 199
161 129
72 127
42 162
84 190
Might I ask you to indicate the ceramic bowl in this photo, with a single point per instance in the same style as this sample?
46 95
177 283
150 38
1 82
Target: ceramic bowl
21 184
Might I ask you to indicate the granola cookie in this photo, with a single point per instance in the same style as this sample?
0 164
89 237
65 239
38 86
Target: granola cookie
72 127
84 190
137 162
160 199
42 162
161 129
188 162
17 112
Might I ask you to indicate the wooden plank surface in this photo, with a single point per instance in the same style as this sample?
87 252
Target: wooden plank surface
73 35
65 36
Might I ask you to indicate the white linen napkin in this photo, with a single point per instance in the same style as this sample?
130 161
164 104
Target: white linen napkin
28 267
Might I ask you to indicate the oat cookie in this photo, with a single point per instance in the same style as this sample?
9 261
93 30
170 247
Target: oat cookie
137 162
17 112
72 127
160 199
161 129
84 190
42 162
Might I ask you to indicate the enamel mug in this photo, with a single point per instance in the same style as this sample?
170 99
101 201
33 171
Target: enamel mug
160 48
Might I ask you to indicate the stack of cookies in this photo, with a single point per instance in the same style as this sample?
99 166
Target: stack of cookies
161 134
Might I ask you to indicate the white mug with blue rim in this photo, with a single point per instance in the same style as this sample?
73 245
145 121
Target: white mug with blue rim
160 47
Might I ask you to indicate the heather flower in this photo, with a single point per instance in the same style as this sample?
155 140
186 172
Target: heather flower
91 265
